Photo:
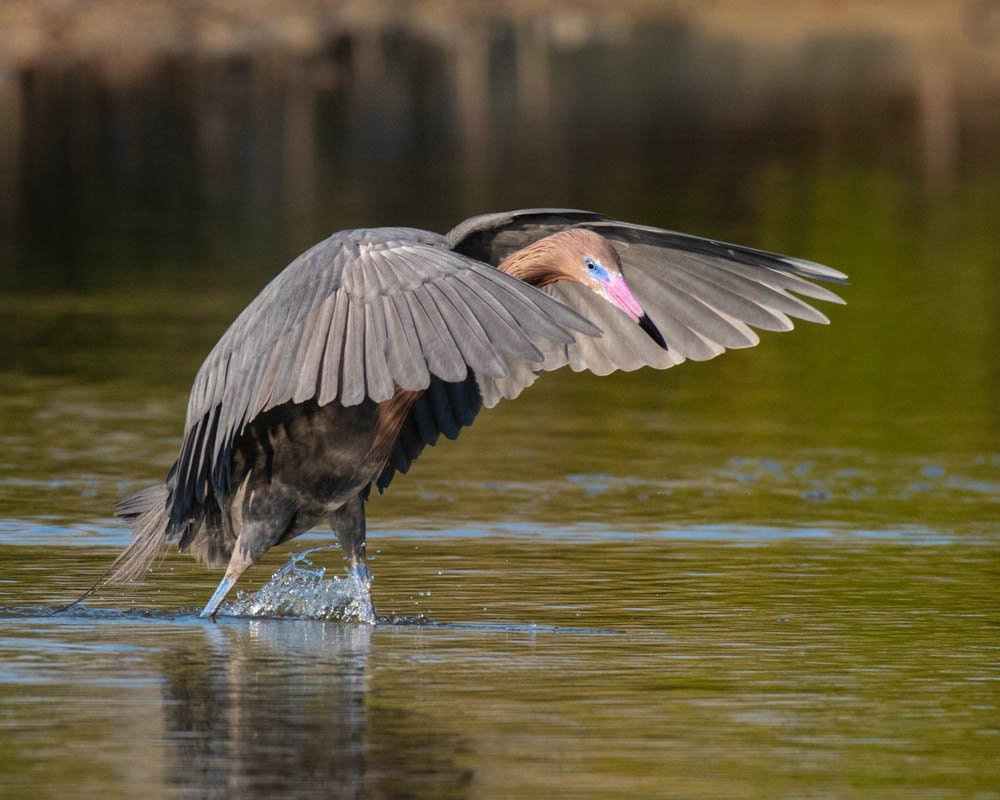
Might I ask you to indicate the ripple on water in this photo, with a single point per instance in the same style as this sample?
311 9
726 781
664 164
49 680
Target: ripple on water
52 536
863 479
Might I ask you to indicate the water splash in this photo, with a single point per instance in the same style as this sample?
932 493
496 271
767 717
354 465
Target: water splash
300 589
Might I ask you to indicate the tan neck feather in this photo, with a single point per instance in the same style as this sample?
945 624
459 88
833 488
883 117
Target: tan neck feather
559 257
538 264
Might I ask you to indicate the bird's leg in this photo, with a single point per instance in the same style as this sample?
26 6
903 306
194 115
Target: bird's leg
254 540
349 523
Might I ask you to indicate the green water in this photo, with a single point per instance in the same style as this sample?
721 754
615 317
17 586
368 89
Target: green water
774 574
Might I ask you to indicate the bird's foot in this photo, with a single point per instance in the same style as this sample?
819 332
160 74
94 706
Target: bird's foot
212 606
364 606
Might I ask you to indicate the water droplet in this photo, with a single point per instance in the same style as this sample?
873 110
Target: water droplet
299 589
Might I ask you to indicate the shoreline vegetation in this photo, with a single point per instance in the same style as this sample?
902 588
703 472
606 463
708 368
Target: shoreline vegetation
124 38
939 55
139 114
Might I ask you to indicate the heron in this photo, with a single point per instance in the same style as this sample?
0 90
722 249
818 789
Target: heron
375 342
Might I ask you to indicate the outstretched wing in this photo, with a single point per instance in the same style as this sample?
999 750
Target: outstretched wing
703 295
351 319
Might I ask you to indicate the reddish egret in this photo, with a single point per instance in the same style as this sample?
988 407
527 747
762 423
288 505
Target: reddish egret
375 342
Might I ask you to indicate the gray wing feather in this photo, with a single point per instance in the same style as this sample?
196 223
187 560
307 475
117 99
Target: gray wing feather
746 288
552 319
405 361
439 349
352 359
312 359
265 377
297 366
472 341
676 311
622 346
377 374
788 282
716 296
501 324
329 374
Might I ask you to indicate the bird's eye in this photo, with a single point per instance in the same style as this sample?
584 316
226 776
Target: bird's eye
591 264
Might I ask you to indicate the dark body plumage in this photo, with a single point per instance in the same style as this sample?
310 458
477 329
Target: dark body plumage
374 342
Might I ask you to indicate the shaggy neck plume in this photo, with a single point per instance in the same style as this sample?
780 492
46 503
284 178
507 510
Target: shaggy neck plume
537 264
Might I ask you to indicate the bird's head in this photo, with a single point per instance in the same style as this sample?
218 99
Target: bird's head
588 258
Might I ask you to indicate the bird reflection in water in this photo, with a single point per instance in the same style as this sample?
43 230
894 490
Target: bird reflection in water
244 719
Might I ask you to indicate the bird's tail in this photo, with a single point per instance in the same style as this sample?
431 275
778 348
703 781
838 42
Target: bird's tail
146 513
147 516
